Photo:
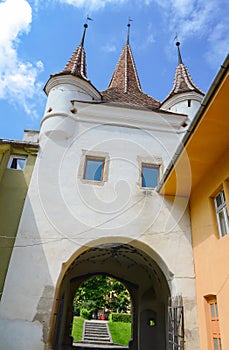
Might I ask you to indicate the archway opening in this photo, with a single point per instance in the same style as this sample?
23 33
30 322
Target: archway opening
106 299
141 275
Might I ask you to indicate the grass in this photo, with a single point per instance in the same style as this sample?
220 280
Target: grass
77 328
120 331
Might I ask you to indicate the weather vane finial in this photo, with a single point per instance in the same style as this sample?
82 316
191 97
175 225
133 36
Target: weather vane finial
176 38
128 31
88 19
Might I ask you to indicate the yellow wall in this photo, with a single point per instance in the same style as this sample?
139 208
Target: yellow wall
211 253
13 189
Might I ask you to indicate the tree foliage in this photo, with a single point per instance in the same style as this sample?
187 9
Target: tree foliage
102 292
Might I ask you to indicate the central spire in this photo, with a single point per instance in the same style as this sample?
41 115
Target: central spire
128 32
125 87
125 76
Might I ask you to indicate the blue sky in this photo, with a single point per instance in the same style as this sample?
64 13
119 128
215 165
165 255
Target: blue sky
37 37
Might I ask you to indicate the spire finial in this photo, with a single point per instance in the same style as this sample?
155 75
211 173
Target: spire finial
85 28
178 48
128 31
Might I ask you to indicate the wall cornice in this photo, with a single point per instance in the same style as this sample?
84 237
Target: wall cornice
124 117
192 95
86 86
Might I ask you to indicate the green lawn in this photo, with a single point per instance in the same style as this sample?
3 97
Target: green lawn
77 328
120 331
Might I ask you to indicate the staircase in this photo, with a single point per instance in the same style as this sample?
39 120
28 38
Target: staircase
96 336
96 332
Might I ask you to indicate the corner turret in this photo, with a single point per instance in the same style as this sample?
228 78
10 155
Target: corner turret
185 97
71 84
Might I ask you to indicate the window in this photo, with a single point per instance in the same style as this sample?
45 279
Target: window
17 162
94 169
189 103
150 174
214 330
221 213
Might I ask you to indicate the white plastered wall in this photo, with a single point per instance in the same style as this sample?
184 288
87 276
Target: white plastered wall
62 214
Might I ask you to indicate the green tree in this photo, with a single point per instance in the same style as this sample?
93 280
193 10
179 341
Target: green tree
102 292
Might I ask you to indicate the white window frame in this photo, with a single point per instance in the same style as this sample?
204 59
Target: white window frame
151 161
12 157
94 155
95 159
222 209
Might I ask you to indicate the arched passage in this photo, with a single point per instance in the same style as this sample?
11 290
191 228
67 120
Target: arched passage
142 276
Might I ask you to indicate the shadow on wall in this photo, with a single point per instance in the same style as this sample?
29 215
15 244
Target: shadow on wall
28 292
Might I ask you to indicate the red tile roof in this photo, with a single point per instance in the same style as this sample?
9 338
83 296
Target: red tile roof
125 86
77 64
125 76
134 97
182 80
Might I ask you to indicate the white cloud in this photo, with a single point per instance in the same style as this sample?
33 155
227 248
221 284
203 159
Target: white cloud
18 79
200 18
92 4
149 38
109 48
219 41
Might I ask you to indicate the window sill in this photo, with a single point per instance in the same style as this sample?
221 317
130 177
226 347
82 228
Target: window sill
93 182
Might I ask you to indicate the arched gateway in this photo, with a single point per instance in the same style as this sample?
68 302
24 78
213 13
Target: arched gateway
142 276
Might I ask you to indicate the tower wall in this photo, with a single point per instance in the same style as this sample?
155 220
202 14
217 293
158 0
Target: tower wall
64 212
59 114
186 103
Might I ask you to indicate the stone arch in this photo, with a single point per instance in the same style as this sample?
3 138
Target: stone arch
139 267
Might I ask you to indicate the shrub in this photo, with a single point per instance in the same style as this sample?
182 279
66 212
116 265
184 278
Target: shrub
85 313
114 317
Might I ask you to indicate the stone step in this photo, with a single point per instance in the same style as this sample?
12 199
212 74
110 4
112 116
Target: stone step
100 330
96 336
96 332
97 346
98 340
96 326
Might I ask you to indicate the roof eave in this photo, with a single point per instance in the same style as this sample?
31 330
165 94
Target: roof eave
195 122
73 75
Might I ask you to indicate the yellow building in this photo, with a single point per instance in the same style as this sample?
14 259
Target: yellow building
17 159
201 171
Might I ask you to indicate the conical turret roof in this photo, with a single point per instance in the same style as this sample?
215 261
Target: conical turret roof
125 86
76 67
77 63
125 76
182 80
